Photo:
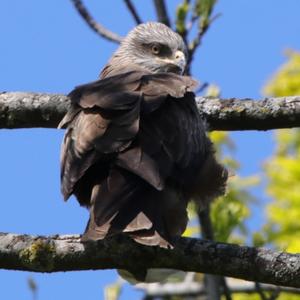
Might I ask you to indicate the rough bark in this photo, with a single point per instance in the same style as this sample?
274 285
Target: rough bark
27 110
249 114
67 253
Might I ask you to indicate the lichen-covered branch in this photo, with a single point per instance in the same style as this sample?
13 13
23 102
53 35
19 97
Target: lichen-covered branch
27 110
249 114
67 253
94 25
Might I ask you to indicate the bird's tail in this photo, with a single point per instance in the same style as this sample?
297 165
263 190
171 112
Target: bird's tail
123 202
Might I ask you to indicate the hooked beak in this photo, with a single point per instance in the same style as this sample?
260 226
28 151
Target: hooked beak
175 65
180 60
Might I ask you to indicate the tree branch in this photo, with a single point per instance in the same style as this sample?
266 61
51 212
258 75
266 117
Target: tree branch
192 289
161 12
249 114
67 253
94 25
27 110
133 11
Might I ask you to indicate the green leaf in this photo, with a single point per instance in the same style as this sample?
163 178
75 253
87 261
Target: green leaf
203 9
283 167
181 13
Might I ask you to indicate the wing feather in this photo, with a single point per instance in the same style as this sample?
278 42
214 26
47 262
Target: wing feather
127 135
105 119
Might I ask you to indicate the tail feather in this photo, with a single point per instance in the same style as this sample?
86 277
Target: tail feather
125 203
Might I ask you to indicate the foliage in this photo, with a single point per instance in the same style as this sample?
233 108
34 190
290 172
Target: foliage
188 14
204 8
113 291
181 14
286 81
283 168
200 11
230 212
268 295
283 174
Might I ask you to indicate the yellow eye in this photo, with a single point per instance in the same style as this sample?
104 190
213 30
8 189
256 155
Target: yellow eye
155 49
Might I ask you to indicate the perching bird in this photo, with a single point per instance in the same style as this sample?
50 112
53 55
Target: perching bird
135 149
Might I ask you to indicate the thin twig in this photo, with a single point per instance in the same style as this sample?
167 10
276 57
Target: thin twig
260 291
194 17
94 25
133 11
275 294
205 223
226 290
201 88
161 12
181 27
192 47
197 40
213 283
192 21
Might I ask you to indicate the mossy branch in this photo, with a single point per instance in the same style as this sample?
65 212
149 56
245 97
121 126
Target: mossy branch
67 253
27 110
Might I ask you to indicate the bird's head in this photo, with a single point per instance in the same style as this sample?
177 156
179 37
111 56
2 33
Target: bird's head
154 47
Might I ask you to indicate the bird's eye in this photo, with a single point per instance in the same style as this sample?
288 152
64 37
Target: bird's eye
155 49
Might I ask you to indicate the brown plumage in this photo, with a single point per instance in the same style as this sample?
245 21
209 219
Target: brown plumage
135 149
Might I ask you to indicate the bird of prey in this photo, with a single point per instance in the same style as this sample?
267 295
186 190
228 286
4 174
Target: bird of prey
135 150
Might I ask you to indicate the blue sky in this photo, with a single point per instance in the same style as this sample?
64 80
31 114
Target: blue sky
46 47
